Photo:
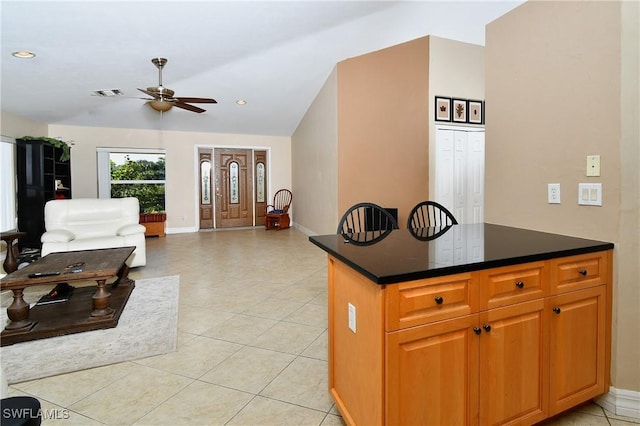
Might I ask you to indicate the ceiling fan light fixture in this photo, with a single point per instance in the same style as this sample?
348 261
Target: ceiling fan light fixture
161 106
23 54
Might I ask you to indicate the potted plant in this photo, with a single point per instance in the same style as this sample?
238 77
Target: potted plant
66 148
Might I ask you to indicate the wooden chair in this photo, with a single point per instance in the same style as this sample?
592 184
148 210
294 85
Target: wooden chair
277 214
430 214
363 217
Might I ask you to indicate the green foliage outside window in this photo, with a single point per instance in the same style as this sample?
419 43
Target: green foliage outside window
149 194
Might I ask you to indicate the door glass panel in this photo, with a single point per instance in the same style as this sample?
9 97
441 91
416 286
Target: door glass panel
260 182
234 183
205 173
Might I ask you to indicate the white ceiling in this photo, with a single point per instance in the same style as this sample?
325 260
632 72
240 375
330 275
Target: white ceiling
275 54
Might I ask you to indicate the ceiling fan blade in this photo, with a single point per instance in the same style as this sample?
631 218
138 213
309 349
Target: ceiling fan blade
193 108
197 100
153 95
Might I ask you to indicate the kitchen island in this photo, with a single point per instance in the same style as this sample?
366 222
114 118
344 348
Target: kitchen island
471 324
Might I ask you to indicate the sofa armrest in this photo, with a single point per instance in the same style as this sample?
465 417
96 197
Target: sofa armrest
57 236
131 230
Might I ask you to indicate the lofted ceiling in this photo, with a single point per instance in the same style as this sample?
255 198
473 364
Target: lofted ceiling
276 55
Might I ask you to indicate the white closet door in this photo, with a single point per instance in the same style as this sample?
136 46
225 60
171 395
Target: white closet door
474 207
460 173
444 168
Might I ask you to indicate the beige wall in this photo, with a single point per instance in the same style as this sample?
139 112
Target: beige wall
554 93
15 127
181 149
456 69
314 166
553 97
383 128
626 371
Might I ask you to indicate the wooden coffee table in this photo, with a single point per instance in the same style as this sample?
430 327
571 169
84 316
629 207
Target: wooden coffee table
89 308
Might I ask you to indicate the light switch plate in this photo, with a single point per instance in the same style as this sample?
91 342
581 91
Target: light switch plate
590 194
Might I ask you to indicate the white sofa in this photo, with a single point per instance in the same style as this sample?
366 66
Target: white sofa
89 223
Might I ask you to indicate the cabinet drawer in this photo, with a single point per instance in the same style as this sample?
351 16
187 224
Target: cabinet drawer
513 284
434 299
577 272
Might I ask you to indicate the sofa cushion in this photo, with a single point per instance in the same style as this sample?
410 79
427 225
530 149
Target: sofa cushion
96 243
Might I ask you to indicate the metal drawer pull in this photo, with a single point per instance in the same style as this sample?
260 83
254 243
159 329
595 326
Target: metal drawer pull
477 330
487 328
439 300
583 272
557 310
519 284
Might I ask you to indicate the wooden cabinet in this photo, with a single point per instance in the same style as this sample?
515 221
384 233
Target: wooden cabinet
577 334
478 369
39 167
509 345
432 374
513 364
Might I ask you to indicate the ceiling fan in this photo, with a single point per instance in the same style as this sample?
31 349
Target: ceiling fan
162 98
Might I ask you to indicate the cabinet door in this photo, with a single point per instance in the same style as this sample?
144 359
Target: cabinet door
513 367
577 336
432 374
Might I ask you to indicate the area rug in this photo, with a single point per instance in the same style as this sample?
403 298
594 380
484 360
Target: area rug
148 326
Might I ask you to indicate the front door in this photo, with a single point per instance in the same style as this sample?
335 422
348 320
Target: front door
234 187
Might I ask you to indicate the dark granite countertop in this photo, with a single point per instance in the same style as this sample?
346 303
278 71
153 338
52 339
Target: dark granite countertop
405 255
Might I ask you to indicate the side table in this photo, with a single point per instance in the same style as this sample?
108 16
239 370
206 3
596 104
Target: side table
10 264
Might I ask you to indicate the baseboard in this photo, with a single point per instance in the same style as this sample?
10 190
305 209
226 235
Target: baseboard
621 402
306 231
182 230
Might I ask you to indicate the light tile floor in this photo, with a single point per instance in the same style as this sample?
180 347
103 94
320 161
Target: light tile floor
252 345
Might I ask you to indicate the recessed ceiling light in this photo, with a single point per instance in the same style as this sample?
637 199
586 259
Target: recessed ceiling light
241 102
24 54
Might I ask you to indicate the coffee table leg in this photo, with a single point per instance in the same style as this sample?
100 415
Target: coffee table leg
10 263
18 312
123 276
101 300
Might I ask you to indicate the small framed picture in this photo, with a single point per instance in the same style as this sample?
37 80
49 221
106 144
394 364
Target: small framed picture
459 110
443 109
475 111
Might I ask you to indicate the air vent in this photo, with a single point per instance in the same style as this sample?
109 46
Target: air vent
107 93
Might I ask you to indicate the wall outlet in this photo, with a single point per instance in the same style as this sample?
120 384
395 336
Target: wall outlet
352 317
553 193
